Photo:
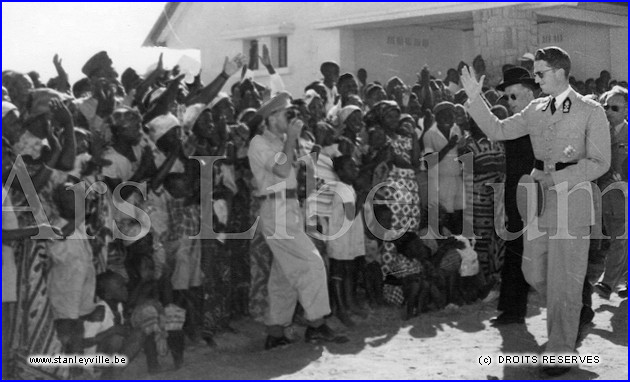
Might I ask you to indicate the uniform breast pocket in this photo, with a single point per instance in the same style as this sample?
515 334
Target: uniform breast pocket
573 143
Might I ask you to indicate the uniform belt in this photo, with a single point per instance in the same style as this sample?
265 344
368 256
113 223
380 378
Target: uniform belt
289 194
540 165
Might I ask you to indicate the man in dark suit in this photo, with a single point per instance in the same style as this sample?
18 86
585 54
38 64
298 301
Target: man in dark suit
520 89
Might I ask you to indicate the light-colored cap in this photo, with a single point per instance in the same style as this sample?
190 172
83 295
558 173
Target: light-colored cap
161 125
280 102
527 57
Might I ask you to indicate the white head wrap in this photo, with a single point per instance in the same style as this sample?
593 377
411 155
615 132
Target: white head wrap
161 125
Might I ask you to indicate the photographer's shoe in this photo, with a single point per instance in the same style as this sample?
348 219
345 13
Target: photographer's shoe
323 333
274 342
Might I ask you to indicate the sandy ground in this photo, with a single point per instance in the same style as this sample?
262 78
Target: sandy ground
437 345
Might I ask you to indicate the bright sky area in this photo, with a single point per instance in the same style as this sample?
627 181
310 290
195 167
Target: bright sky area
33 32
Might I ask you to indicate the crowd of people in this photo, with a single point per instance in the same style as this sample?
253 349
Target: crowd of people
392 183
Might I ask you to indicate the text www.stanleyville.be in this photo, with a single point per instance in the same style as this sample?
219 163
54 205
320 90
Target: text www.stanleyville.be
78 360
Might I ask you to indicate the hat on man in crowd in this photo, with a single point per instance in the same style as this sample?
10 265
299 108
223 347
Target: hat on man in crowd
280 102
97 62
516 75
527 57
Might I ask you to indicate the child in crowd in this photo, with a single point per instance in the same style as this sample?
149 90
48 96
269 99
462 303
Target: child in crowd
445 172
184 254
416 287
151 306
345 240
106 332
72 277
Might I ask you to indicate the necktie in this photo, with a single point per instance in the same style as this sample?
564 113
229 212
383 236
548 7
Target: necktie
553 106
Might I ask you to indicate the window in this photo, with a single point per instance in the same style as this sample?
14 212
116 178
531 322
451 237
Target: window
278 50
281 43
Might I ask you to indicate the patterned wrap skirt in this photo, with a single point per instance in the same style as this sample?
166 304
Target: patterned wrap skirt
402 193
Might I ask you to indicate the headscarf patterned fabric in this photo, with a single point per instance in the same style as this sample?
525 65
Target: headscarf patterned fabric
376 116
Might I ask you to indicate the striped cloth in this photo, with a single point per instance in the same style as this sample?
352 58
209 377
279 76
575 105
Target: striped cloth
489 167
319 204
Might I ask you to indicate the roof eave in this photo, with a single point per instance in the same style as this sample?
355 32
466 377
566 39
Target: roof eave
161 23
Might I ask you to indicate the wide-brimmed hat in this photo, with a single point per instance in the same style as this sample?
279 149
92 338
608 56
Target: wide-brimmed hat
516 75
279 102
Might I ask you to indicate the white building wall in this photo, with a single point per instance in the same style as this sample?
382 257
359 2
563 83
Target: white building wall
588 46
619 53
469 51
403 51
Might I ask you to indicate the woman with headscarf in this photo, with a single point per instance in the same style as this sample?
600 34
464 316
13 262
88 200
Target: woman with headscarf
32 327
353 129
402 184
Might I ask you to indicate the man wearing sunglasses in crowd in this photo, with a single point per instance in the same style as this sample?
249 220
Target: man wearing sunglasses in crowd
614 206
520 89
297 272
571 143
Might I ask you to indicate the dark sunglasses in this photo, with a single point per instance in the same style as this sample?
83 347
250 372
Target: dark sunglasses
512 97
614 108
541 73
